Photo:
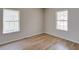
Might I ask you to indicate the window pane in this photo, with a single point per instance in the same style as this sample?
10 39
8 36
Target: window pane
62 15
65 15
10 15
63 25
6 27
17 28
11 21
62 20
60 23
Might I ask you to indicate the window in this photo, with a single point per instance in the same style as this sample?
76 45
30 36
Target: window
11 21
62 20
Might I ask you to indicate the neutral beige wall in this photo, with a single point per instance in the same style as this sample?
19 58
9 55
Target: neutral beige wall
50 24
31 24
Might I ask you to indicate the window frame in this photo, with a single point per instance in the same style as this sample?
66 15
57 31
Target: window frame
14 21
64 20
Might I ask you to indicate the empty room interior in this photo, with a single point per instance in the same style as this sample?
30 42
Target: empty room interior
39 29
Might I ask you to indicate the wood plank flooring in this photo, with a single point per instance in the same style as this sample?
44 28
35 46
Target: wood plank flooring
41 42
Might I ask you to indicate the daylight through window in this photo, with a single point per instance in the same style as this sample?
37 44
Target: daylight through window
11 21
62 20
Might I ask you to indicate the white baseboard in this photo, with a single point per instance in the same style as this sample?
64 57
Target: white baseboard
38 34
64 38
5 42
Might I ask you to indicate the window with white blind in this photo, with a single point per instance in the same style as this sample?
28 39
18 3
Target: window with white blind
62 20
11 21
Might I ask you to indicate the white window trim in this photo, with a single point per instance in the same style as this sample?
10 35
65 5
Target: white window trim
61 20
13 21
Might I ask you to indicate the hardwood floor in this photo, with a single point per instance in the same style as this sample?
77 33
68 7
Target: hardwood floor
41 42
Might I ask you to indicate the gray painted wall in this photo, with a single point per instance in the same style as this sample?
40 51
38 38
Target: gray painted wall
50 24
36 21
31 20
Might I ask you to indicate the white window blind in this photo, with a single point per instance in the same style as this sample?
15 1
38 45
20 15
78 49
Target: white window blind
11 21
62 20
